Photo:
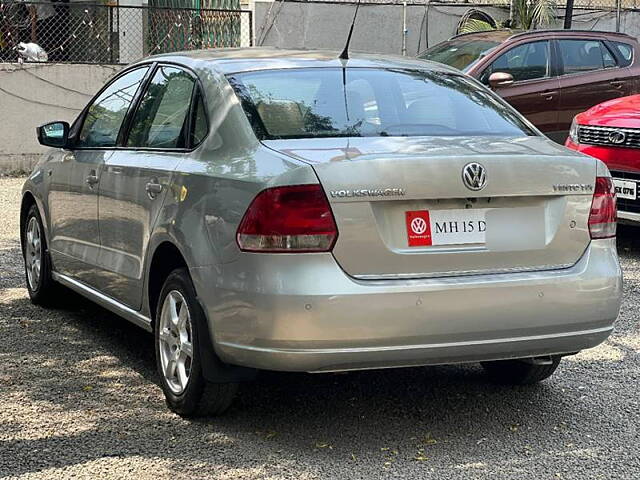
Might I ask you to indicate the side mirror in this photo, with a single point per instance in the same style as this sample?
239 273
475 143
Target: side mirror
500 79
55 134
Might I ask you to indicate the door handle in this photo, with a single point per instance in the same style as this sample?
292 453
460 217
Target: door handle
617 84
68 157
548 95
92 179
153 188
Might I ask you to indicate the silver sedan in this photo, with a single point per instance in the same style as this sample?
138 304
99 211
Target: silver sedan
286 210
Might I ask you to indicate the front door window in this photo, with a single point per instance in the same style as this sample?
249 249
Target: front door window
525 62
106 114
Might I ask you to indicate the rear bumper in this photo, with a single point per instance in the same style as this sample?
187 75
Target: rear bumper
303 313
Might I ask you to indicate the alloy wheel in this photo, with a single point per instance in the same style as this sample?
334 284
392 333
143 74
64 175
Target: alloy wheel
176 341
33 253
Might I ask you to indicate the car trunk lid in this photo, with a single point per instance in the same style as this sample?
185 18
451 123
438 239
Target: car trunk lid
531 214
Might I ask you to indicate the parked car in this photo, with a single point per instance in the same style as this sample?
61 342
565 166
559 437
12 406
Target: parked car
288 210
547 75
610 131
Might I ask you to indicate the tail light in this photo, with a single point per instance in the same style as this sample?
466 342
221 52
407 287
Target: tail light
288 219
602 218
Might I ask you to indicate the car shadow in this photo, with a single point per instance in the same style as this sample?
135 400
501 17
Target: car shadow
94 374
82 360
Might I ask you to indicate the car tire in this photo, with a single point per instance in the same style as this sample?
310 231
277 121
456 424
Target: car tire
178 361
37 263
517 372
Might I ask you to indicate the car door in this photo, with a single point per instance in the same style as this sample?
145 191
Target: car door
73 197
590 74
534 91
137 177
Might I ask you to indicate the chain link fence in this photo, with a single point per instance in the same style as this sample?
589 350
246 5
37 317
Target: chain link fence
90 33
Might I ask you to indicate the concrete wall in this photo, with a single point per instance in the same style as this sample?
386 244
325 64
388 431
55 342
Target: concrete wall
33 94
378 27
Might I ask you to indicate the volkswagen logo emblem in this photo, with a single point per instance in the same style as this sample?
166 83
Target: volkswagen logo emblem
617 137
474 176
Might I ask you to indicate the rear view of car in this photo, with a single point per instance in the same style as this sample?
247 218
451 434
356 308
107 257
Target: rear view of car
319 214
443 229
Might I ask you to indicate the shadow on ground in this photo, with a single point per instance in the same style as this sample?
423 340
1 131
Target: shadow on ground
79 385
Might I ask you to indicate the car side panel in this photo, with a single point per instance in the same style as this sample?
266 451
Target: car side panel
537 100
127 214
579 92
74 239
213 186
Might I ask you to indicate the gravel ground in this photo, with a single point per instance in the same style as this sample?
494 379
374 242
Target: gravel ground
80 399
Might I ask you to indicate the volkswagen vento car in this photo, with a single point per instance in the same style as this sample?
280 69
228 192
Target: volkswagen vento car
547 75
610 131
287 210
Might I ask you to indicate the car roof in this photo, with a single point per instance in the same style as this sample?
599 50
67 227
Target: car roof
237 60
491 35
506 34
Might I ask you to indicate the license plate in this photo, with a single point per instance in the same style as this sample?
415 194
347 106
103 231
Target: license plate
445 227
625 189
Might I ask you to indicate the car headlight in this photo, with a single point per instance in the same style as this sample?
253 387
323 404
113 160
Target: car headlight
573 131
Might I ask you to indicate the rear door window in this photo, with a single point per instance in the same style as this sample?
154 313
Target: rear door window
161 118
528 61
580 56
626 53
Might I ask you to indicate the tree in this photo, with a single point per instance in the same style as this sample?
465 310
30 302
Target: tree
525 15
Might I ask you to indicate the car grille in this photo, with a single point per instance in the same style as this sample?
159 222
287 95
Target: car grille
603 136
625 204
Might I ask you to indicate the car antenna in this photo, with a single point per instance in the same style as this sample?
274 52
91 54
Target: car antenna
345 53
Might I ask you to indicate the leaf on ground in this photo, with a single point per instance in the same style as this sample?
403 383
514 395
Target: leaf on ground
429 440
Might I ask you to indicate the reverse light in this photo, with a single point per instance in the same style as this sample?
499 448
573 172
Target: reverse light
602 218
573 131
288 219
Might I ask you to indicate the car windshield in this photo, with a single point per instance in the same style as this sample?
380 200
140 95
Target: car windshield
369 102
460 54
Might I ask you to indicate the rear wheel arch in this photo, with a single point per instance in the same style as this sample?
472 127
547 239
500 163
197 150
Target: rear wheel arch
166 258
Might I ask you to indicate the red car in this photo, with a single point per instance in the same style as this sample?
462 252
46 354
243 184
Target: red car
610 131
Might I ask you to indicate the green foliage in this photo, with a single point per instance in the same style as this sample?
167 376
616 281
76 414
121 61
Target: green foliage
475 25
530 14
527 14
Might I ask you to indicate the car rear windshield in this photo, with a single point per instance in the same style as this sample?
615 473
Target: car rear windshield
460 54
369 102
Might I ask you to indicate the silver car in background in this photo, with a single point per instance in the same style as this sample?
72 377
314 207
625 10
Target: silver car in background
286 210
